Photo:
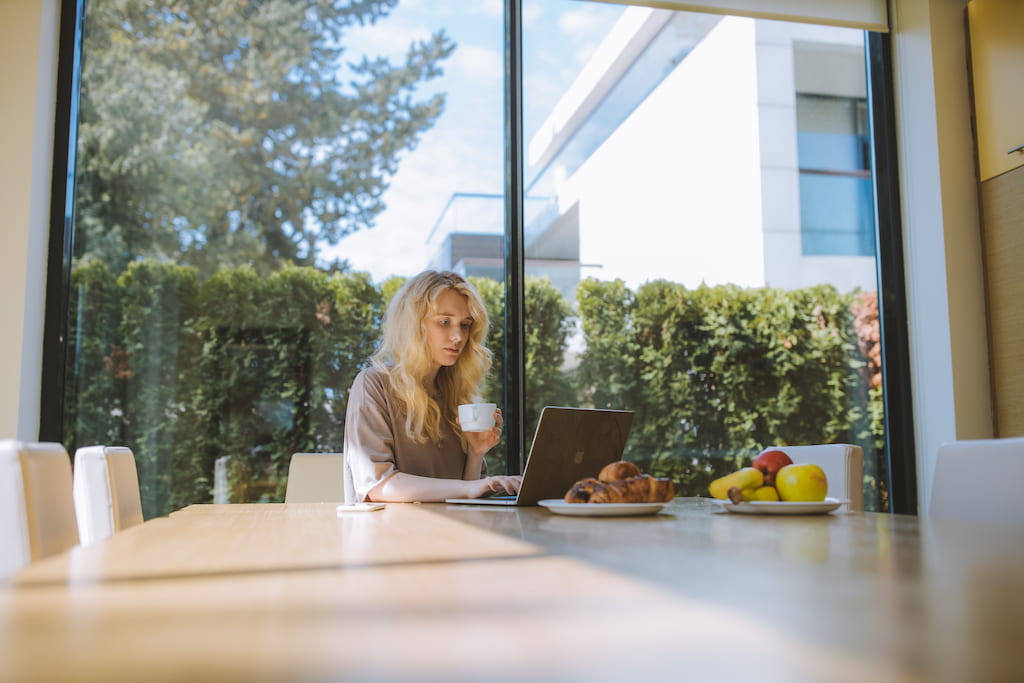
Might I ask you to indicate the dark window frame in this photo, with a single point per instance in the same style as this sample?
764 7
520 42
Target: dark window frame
62 233
900 446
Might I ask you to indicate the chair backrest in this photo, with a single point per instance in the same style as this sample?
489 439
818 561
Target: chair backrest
843 465
979 480
37 512
106 491
315 478
14 550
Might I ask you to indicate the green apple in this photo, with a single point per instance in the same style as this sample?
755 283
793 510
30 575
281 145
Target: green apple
801 482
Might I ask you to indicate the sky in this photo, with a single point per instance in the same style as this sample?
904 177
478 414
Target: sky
463 151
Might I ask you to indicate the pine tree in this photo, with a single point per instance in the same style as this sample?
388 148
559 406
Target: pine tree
221 132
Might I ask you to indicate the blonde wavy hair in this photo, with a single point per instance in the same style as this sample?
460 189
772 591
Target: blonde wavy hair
404 355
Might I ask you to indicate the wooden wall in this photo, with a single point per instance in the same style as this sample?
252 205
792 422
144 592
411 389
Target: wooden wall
1002 208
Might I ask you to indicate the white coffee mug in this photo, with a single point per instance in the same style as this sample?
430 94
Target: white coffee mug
477 417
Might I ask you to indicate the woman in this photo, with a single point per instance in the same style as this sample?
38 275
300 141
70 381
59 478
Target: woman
403 442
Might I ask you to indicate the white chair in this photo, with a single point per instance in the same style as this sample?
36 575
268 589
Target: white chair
37 513
979 480
843 465
106 491
315 478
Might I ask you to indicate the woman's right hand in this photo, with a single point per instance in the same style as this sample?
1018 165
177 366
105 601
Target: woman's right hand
499 483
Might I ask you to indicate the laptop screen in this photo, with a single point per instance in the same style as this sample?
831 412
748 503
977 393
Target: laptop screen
569 444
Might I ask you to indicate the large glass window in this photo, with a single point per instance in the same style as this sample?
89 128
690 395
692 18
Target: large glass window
255 179
678 164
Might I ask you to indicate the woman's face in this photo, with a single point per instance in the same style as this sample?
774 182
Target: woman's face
448 328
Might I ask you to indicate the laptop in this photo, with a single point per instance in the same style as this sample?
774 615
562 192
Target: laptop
570 444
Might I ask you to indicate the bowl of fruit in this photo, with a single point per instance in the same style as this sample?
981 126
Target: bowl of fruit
775 485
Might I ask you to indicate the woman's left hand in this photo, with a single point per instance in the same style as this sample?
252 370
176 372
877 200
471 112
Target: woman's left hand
481 442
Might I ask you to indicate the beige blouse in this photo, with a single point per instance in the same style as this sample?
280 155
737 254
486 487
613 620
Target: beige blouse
377 445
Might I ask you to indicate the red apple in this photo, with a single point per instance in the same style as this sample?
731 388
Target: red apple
770 461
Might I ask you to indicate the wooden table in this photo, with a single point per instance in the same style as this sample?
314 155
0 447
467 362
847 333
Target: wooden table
296 592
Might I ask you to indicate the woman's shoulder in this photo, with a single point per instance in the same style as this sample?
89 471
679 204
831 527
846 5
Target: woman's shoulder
373 377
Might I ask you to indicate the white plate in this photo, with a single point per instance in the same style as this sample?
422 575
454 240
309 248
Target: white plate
560 507
779 507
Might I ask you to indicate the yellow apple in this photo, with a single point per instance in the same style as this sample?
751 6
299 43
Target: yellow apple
801 482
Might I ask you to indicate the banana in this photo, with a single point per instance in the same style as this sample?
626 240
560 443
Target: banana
746 480
764 493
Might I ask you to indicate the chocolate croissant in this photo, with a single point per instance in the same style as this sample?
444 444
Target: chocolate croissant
582 490
618 470
640 489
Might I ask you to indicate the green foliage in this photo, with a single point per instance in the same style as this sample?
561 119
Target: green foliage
253 369
390 287
219 132
715 374
157 305
493 294
547 329
279 355
608 370
97 365
547 325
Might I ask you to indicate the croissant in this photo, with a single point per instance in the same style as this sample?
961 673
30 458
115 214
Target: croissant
618 470
581 490
640 489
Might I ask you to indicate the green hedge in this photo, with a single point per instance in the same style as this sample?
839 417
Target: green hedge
257 368
715 374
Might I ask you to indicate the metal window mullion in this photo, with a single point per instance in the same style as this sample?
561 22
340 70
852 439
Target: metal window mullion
515 352
900 448
62 215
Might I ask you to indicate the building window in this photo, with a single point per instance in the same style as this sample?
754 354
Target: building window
836 205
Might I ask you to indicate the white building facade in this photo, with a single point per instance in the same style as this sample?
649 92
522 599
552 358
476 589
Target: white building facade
701 149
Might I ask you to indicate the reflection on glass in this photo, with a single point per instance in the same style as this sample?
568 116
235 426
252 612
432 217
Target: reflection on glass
707 220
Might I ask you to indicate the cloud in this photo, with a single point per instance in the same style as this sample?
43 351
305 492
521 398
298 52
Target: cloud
479 64
390 37
462 153
490 8
532 14
586 20
443 165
